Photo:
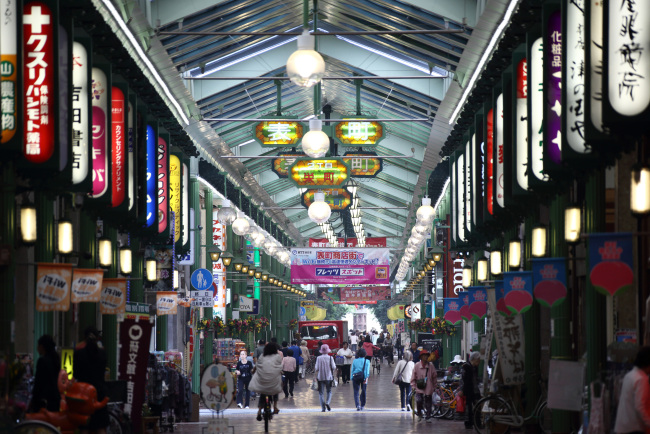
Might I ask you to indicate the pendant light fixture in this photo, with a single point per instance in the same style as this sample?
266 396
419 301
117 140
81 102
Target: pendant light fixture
126 260
538 242
150 269
572 224
305 67
514 254
482 270
315 143
226 214
65 237
240 226
467 276
640 191
495 262
319 211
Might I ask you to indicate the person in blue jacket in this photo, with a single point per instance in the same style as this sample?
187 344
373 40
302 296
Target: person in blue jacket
360 372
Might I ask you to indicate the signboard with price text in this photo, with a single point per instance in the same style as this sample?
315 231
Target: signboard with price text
332 266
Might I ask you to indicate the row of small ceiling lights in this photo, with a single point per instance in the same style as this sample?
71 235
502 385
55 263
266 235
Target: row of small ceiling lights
419 234
319 212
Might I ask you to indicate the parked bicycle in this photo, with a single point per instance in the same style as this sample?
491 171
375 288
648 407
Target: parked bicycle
310 365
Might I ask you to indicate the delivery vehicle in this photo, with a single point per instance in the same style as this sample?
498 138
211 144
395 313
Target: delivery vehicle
332 333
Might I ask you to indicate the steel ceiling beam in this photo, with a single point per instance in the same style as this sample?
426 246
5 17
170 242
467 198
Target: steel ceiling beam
343 77
335 33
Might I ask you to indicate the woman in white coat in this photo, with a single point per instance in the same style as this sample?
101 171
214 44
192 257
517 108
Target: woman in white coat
267 380
402 377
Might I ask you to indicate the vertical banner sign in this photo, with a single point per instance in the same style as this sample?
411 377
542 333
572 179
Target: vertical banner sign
612 262
596 61
8 68
628 62
553 97
186 204
118 156
498 141
468 185
113 298
451 311
162 187
476 184
63 94
521 112
219 270
500 294
463 298
130 137
453 187
175 193
152 155
549 280
574 127
38 82
454 275
53 283
100 136
536 114
135 334
87 285
518 290
166 303
80 113
477 302
460 191
490 161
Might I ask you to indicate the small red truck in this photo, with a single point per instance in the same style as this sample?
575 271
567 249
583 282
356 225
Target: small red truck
332 333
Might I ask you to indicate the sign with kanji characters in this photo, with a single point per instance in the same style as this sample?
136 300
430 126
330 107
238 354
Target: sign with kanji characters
574 70
8 69
536 111
40 106
490 161
100 98
337 198
364 295
87 285
113 298
166 303
162 185
186 205
350 242
280 166
219 270
326 172
152 174
359 132
363 167
137 310
331 266
53 283
611 258
553 87
175 193
135 336
131 159
278 133
80 112
509 335
521 121
499 149
118 154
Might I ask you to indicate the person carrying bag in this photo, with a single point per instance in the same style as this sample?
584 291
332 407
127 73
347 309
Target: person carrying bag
360 373
403 379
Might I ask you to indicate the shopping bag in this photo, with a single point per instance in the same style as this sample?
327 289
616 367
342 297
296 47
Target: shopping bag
460 404
314 385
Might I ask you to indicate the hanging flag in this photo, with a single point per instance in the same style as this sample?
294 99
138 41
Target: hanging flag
549 280
611 262
53 283
477 302
87 285
518 290
166 302
500 295
113 297
451 310
463 298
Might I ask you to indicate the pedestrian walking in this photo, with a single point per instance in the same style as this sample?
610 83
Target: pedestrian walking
46 390
305 357
633 414
369 348
360 373
288 373
415 352
325 375
469 386
296 355
259 350
348 357
399 347
402 377
244 371
424 381
89 365
354 340
267 380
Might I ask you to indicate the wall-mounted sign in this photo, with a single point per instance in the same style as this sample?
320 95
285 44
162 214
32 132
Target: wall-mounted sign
536 118
8 69
460 192
80 112
162 187
475 184
329 172
118 154
499 145
130 137
152 158
100 133
363 167
468 186
490 161
595 82
278 133
553 87
337 198
280 166
453 186
574 71
186 204
351 242
40 105
359 132
175 193
521 121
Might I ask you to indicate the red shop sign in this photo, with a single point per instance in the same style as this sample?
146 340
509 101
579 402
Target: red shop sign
38 76
490 161
119 155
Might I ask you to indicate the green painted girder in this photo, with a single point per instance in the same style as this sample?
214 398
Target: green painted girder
395 182
382 222
392 200
276 186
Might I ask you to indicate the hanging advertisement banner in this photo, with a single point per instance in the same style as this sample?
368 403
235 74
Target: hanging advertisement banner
87 285
468 187
549 280
113 297
310 173
453 183
612 262
351 242
477 179
53 282
152 158
219 270
118 150
99 132
280 166
131 160
536 111
521 123
135 336
499 135
166 303
573 68
553 89
363 167
490 161
80 112
175 193
349 266
477 302
39 70
460 197
415 311
9 70
364 295
463 299
359 133
500 294
162 187
274 134
337 198
518 290
139 311
186 204
509 335
451 311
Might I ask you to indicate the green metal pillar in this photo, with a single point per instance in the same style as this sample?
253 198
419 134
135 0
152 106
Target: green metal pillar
137 274
109 322
208 336
88 244
595 302
195 203
8 271
43 321
531 331
230 271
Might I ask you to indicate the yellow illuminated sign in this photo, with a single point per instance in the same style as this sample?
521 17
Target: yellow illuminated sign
359 132
175 193
66 361
327 172
278 133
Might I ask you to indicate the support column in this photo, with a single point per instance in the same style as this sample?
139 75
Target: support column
208 336
195 202
109 322
137 274
7 272
87 244
531 331
43 321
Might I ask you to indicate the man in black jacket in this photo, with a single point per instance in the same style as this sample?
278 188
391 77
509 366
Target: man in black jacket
469 387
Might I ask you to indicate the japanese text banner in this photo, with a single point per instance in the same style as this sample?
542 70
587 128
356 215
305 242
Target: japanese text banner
364 295
350 266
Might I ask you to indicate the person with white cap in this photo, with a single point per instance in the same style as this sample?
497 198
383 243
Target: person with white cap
324 369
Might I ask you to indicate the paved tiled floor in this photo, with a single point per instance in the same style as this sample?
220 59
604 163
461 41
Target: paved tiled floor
302 413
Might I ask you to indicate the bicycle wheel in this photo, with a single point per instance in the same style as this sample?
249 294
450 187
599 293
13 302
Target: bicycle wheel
545 422
437 404
267 413
493 415
114 425
35 427
448 404
411 401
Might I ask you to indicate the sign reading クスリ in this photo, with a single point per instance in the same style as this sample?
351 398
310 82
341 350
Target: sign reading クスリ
349 266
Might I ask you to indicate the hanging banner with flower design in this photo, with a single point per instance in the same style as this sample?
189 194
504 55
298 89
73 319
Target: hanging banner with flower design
477 302
451 310
549 280
612 262
463 298
518 290
499 292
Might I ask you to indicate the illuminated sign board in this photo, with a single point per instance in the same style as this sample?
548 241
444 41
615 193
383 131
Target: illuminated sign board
152 154
162 186
596 62
118 154
363 167
186 204
468 184
460 191
337 198
175 193
40 105
574 126
131 154
553 88
100 133
8 69
80 113
454 205
359 132
490 161
536 118
326 172
278 133
498 141
521 111
280 166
